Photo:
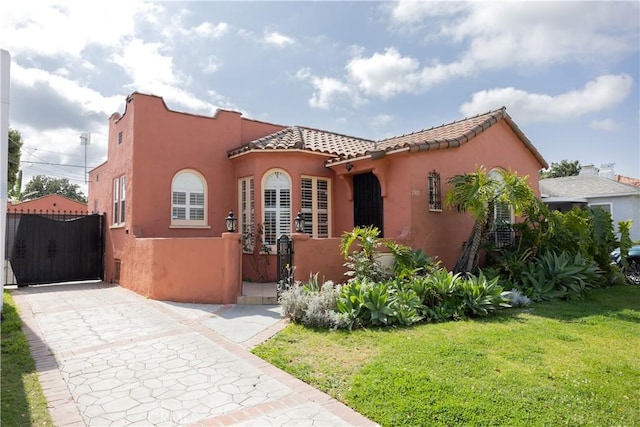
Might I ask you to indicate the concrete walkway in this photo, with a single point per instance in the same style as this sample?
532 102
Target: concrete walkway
109 357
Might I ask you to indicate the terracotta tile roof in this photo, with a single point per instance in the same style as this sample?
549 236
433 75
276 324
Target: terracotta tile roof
461 130
304 138
628 180
343 147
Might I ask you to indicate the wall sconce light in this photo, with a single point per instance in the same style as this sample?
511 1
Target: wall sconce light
349 166
299 223
231 221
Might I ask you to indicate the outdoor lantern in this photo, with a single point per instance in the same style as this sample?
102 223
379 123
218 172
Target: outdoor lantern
299 223
231 222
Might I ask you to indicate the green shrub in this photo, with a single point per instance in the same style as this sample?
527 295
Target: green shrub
481 296
407 307
517 298
351 302
312 305
363 262
588 232
408 263
554 276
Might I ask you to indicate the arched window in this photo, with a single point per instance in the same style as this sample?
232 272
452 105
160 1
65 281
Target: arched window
188 199
277 206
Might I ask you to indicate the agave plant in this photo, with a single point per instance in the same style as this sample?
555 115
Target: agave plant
482 296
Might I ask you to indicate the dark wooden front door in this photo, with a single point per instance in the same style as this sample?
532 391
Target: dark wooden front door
367 201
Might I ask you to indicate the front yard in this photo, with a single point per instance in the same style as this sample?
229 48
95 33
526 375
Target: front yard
553 363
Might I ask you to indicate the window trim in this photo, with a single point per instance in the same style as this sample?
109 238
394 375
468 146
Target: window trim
599 204
265 176
123 191
246 217
495 174
118 202
189 223
313 222
115 205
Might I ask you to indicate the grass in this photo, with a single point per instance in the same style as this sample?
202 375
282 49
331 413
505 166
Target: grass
23 403
557 363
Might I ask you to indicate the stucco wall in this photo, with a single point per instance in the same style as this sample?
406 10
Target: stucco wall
204 270
623 208
156 143
320 256
403 179
166 142
51 203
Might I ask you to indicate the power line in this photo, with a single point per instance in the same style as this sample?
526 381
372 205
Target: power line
54 164
48 151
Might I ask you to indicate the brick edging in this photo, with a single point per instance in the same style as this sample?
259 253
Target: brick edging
60 403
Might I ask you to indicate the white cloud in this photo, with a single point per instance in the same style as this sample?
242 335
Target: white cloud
607 125
597 95
303 73
91 100
206 29
213 64
145 64
412 12
67 28
503 34
385 74
327 90
498 35
382 119
276 39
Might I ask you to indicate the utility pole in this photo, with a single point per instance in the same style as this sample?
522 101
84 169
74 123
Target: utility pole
85 139
5 62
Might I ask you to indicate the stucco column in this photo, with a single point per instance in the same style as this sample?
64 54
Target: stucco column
299 253
232 272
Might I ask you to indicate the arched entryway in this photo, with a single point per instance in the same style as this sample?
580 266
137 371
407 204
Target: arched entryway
367 201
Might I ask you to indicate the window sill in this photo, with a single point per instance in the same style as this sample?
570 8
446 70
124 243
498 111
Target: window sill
114 226
435 210
190 226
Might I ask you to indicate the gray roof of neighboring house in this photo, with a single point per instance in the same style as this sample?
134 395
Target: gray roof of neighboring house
587 186
343 147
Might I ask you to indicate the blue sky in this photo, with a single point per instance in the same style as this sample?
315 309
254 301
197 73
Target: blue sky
568 72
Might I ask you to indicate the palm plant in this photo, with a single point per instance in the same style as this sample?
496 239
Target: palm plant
15 193
478 193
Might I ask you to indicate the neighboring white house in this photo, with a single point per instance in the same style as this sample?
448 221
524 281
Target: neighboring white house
596 188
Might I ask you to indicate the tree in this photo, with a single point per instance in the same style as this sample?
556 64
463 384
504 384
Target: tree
41 185
15 148
477 193
558 170
16 195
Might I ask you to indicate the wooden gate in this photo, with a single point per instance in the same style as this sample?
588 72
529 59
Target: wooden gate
50 247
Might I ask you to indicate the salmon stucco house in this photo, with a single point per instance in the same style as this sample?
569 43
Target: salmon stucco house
171 178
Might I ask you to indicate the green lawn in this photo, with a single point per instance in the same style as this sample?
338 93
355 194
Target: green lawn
23 403
560 363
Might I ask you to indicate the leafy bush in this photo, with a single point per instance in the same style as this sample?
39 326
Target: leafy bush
407 307
312 305
408 263
481 296
517 298
363 262
559 276
588 232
